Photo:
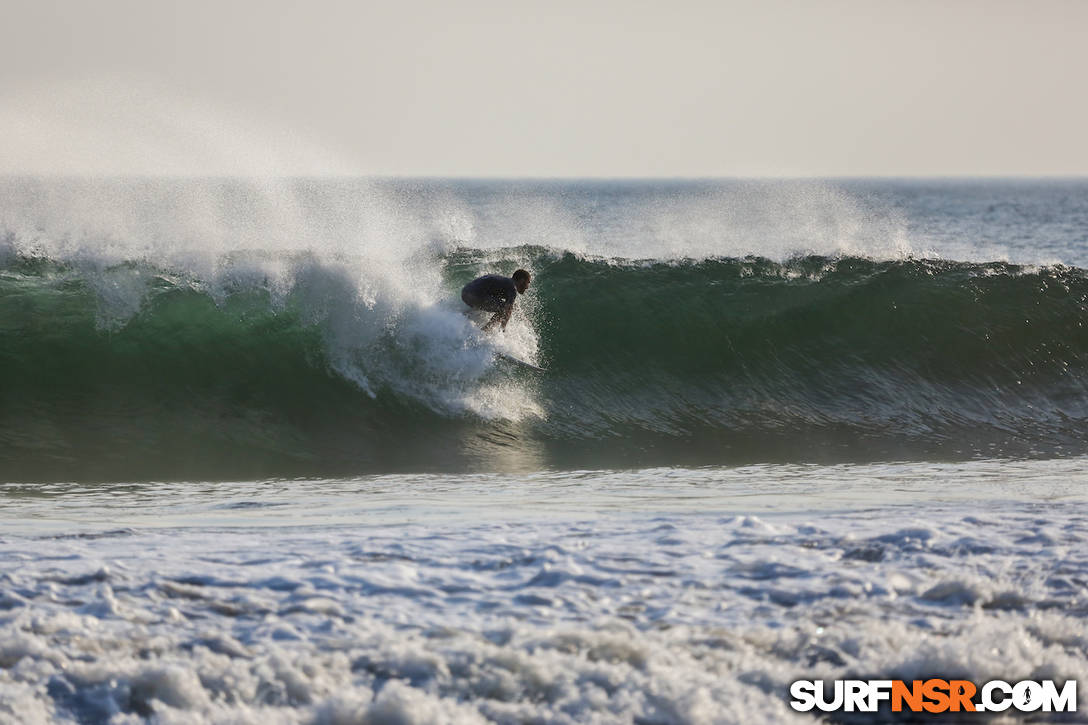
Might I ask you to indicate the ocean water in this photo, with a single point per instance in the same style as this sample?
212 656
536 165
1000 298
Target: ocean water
258 465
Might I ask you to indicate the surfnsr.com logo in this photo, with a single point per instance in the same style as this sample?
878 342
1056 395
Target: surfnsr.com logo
933 695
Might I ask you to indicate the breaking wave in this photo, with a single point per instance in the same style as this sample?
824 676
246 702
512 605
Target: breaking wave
290 363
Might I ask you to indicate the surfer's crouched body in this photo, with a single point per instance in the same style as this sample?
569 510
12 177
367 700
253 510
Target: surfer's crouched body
495 293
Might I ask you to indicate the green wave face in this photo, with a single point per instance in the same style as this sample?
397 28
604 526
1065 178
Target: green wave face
131 372
821 359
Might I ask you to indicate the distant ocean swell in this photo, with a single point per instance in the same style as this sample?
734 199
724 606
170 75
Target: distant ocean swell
292 365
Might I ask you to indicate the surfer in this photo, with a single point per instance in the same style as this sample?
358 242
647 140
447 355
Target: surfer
495 293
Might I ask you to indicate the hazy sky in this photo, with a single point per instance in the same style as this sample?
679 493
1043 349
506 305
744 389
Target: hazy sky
556 88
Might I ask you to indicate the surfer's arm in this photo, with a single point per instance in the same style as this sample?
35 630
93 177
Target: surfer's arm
501 317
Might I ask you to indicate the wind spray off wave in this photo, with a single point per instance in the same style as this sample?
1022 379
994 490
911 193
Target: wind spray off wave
309 329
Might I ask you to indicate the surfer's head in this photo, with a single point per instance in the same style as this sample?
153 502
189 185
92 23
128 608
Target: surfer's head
521 280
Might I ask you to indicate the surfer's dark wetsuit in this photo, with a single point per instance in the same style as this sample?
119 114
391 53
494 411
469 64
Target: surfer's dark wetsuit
491 293
495 293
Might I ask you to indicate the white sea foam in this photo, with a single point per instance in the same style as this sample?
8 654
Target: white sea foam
357 299
683 618
360 261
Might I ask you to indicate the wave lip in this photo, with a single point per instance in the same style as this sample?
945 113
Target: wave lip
296 365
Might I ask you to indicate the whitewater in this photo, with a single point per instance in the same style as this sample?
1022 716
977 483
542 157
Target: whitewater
259 465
